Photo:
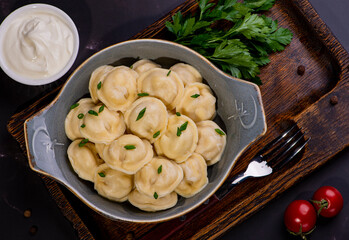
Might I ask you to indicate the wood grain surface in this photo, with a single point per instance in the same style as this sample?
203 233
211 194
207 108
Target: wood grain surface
315 100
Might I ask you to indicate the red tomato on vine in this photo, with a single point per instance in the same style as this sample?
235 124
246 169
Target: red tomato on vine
328 201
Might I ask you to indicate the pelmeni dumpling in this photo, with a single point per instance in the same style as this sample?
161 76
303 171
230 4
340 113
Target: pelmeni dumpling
100 148
195 176
187 73
128 153
84 159
150 204
144 65
147 118
179 140
96 80
198 102
113 184
73 121
159 177
118 88
163 84
211 142
102 125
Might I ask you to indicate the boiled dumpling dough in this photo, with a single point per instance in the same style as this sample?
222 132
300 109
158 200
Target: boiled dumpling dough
100 148
113 184
198 102
118 89
96 77
211 144
128 153
105 127
150 204
187 73
84 159
144 65
159 177
175 147
195 176
163 84
154 121
73 122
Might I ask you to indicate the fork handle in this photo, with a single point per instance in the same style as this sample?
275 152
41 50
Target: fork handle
229 184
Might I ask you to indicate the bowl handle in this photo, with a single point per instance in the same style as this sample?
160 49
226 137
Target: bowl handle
246 112
40 148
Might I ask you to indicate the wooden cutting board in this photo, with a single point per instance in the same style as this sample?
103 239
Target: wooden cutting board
316 100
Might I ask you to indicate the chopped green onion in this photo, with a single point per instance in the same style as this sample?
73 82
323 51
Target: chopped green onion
160 169
101 109
81 115
156 195
143 94
83 142
179 132
184 126
195 95
83 125
168 74
129 147
99 85
220 132
141 113
74 105
92 112
131 66
101 174
156 134
178 114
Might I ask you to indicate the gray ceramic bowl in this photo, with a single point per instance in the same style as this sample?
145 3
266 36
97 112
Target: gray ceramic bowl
239 107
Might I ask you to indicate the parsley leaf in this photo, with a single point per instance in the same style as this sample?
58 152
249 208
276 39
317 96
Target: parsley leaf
242 47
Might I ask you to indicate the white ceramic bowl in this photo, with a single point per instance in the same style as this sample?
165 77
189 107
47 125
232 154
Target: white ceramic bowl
34 8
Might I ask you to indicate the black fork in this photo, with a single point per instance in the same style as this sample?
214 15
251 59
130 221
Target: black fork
270 158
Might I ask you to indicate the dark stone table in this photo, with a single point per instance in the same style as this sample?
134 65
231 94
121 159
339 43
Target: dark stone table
26 208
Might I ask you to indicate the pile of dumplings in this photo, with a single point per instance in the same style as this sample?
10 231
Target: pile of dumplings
146 134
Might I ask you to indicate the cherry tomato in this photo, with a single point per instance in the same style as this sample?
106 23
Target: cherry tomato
300 217
328 201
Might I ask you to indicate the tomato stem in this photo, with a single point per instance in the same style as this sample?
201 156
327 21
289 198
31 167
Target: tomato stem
321 204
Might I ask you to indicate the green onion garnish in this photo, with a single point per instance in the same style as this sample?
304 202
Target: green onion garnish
74 105
160 169
129 147
156 134
99 85
101 108
156 195
143 94
141 113
83 142
220 132
182 128
195 95
92 112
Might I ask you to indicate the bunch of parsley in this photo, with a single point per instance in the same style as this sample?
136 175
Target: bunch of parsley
242 48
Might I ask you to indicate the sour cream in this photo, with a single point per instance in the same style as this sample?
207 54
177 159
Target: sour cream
37 44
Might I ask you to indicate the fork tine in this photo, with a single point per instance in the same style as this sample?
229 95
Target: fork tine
278 159
275 141
289 158
281 147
